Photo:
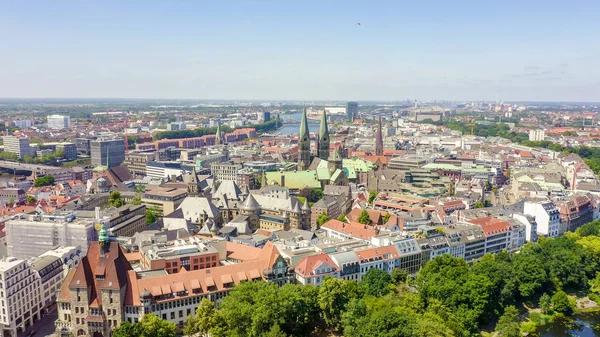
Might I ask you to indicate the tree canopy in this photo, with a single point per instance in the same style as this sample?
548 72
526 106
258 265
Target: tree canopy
44 181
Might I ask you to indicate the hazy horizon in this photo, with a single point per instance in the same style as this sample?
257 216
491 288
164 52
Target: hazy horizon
537 51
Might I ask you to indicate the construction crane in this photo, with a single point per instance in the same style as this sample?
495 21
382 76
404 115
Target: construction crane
472 128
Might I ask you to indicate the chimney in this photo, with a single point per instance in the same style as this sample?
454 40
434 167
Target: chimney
97 213
282 180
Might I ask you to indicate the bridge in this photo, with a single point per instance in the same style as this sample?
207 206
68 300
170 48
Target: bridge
15 166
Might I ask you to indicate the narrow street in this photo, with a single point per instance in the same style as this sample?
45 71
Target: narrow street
44 327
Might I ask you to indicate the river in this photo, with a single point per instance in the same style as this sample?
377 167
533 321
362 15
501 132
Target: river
291 129
583 327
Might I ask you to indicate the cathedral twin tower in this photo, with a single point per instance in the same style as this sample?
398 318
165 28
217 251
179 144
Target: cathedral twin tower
304 141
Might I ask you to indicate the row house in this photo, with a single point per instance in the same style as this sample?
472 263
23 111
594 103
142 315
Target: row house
348 231
575 212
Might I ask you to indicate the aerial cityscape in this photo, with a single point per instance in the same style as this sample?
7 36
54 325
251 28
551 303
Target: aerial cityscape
191 170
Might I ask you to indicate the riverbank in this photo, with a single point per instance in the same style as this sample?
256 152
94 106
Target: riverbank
556 324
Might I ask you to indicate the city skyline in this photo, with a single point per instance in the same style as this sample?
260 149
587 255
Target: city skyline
470 51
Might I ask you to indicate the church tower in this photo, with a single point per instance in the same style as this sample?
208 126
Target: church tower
323 150
303 143
218 135
379 140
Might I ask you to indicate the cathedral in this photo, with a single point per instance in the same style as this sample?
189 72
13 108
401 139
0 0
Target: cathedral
304 159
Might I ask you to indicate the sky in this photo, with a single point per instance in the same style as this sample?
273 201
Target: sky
526 50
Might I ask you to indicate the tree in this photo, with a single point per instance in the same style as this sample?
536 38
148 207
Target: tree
449 280
546 303
151 215
495 190
202 321
508 324
364 217
376 282
342 218
31 199
487 203
334 295
372 196
140 188
115 199
386 217
274 332
150 326
561 303
322 218
478 204
44 181
254 308
137 200
127 329
399 275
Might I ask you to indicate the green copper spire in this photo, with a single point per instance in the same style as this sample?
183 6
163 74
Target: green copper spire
303 143
323 129
304 133
323 150
103 235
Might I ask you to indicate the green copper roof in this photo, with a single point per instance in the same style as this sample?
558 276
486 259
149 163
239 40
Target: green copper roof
357 164
303 126
294 179
323 129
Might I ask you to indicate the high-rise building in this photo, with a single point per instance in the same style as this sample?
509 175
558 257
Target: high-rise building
107 152
537 135
323 150
59 122
303 143
265 116
22 123
352 111
379 140
18 145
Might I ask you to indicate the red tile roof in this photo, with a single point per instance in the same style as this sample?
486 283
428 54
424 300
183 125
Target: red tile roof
491 225
309 264
353 229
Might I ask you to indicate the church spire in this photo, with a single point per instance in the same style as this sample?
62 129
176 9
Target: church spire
323 150
218 136
303 143
379 140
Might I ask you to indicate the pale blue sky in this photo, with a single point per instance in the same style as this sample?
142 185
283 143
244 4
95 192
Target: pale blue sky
306 50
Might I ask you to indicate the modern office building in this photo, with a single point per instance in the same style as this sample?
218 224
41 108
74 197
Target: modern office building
22 123
352 110
18 145
69 150
83 145
19 296
59 122
30 236
225 171
537 135
136 161
107 152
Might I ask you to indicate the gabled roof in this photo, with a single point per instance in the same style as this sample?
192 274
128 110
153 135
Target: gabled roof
309 264
194 207
228 188
101 271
